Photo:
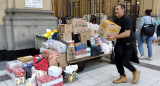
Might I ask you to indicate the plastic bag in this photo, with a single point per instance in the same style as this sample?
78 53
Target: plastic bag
40 63
57 45
70 69
54 71
31 81
106 48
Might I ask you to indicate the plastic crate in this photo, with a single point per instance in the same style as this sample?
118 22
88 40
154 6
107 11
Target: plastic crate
39 40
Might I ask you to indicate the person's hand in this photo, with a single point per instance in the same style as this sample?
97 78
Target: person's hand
111 38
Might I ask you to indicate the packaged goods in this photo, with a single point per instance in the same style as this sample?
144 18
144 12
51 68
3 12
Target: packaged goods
14 64
25 59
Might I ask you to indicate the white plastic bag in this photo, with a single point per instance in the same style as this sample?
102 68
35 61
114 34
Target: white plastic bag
57 45
70 69
106 48
31 81
54 71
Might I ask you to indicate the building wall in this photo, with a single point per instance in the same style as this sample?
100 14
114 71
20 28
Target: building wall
9 27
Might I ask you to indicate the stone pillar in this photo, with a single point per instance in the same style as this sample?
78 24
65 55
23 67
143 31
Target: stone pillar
23 24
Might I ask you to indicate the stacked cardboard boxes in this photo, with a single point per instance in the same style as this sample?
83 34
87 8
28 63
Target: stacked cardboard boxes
79 27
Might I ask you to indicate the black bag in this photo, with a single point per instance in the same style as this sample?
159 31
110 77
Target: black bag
148 29
95 50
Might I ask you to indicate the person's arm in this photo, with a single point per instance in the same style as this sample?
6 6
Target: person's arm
140 25
125 34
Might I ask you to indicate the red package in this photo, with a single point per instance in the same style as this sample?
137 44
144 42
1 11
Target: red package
9 70
52 55
40 63
46 78
19 72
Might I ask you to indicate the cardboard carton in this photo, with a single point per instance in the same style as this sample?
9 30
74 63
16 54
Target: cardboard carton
79 25
65 28
80 46
65 37
63 60
69 21
108 28
84 36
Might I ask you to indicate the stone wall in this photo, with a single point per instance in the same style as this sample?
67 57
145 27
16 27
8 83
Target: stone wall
23 24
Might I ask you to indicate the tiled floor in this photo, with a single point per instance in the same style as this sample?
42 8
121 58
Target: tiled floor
101 73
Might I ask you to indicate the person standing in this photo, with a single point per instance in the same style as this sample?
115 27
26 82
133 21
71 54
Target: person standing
125 48
147 19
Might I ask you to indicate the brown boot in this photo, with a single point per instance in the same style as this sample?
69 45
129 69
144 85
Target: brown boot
135 76
122 79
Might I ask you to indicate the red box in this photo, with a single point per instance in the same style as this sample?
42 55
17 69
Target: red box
47 80
19 72
53 57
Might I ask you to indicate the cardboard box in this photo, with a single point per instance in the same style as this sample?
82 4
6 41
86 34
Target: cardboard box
69 21
25 59
79 25
65 28
52 55
65 37
70 77
80 46
108 28
92 32
84 36
81 52
63 60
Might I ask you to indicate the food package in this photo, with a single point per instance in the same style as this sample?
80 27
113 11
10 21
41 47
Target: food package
47 80
38 72
19 72
56 45
14 64
25 59
53 57
8 71
18 81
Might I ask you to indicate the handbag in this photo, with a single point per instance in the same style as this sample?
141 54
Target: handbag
148 29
